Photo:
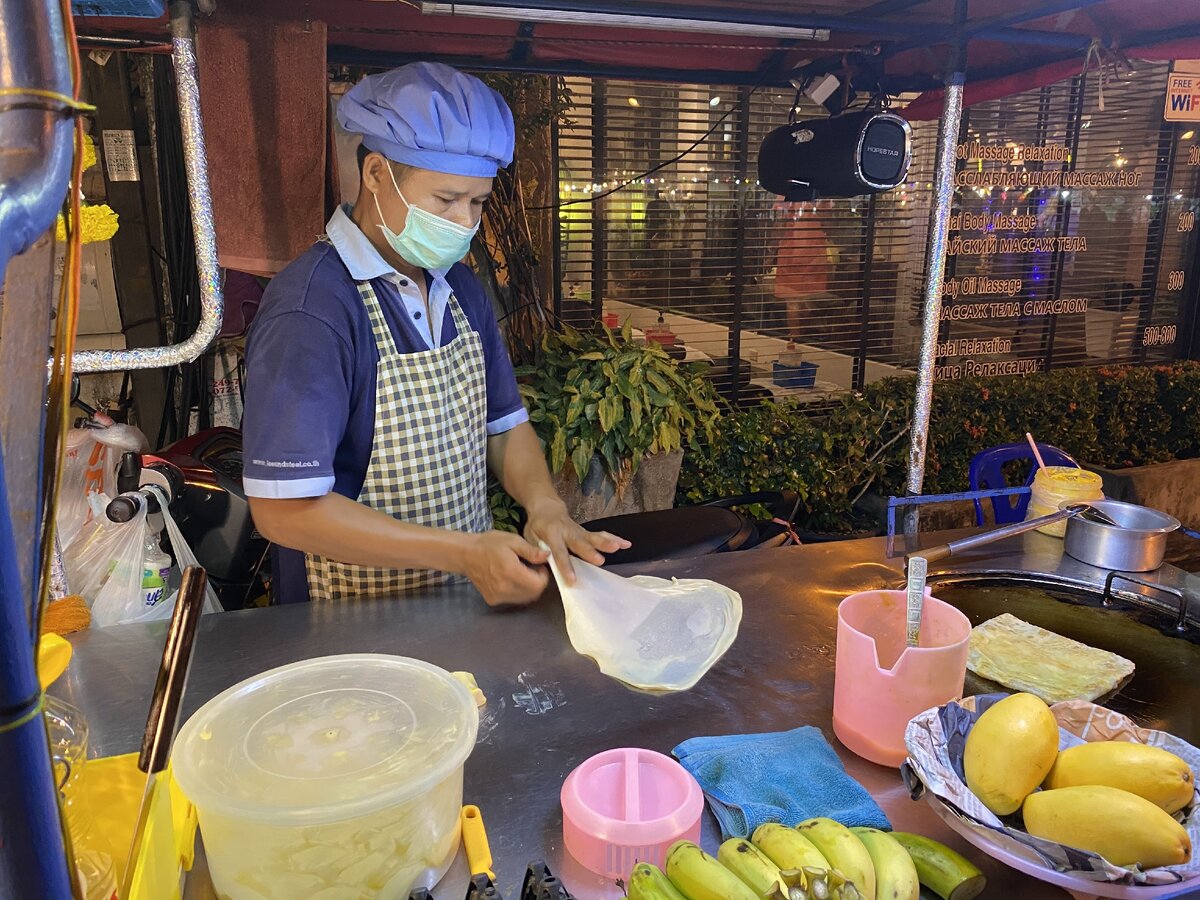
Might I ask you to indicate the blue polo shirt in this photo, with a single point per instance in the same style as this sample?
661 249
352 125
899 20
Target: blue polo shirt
311 362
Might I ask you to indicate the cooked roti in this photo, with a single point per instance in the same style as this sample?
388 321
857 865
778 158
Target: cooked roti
1025 657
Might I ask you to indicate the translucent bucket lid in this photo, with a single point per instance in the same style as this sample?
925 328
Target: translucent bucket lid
326 739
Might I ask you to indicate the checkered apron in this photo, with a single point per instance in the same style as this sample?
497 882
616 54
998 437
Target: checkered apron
429 456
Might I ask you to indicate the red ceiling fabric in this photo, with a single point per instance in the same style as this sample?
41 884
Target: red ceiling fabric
929 105
399 28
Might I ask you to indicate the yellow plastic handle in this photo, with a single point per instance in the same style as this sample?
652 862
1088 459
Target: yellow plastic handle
475 840
54 653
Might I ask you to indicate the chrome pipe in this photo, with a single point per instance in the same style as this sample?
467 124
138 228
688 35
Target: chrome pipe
212 305
935 269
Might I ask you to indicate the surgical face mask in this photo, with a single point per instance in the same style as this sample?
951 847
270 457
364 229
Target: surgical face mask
428 241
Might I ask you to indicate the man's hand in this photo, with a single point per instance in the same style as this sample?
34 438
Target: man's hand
549 523
496 563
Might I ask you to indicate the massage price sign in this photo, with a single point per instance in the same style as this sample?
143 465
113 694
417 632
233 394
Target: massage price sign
1183 97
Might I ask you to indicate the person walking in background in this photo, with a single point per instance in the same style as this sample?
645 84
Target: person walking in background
802 266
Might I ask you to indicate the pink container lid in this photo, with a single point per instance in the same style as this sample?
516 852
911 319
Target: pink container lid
626 806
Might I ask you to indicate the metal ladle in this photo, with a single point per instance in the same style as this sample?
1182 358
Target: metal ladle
998 534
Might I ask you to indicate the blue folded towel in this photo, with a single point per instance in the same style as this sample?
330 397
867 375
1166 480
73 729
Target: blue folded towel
785 776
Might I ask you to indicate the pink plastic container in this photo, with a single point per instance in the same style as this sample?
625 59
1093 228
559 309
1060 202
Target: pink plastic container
879 683
626 806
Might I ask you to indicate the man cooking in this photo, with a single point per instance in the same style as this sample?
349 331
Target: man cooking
379 391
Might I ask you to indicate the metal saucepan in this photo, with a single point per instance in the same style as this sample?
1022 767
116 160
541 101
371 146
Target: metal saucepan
1136 543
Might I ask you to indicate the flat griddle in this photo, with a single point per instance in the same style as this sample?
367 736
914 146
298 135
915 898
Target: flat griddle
1164 691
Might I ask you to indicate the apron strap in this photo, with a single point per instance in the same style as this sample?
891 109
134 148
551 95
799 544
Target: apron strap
384 339
461 323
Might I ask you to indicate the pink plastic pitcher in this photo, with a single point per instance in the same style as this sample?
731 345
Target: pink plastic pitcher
879 683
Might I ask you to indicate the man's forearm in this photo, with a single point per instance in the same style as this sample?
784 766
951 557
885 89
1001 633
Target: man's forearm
516 458
341 529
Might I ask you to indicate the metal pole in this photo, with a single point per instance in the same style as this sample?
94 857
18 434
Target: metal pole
1063 218
739 243
556 219
935 266
212 304
599 216
859 376
1164 169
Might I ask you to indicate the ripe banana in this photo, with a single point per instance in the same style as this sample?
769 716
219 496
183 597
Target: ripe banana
648 882
753 867
700 877
895 873
844 850
819 884
788 848
948 874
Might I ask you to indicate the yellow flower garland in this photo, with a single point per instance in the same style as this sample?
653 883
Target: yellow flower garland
97 222
89 153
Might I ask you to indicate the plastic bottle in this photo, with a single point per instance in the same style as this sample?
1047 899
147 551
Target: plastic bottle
791 356
1056 485
156 569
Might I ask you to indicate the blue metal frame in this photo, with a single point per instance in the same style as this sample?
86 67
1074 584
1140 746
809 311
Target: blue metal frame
33 860
895 503
32 857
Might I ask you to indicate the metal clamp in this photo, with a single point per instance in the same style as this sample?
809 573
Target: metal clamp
542 884
482 888
1181 618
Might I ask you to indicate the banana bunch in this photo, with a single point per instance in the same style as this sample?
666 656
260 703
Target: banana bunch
817 860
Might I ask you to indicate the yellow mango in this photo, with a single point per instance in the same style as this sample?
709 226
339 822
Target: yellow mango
1150 772
1009 751
1122 827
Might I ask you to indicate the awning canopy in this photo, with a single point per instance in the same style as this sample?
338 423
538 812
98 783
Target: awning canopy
742 42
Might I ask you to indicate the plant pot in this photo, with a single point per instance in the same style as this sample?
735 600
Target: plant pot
653 487
1170 487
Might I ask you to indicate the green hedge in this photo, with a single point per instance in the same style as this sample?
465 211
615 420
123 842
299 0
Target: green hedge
1115 417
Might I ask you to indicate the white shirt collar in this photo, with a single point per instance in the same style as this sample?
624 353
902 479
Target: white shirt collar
361 258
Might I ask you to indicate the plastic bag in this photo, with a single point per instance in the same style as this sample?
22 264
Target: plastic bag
184 557
651 633
90 467
105 565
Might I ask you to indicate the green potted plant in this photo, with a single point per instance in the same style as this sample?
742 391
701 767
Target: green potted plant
614 417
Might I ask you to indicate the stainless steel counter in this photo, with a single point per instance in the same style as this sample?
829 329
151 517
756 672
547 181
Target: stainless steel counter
549 708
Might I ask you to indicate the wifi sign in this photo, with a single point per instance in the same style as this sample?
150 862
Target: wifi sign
1183 98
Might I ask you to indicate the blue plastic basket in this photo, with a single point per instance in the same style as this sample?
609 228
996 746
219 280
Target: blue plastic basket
125 9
